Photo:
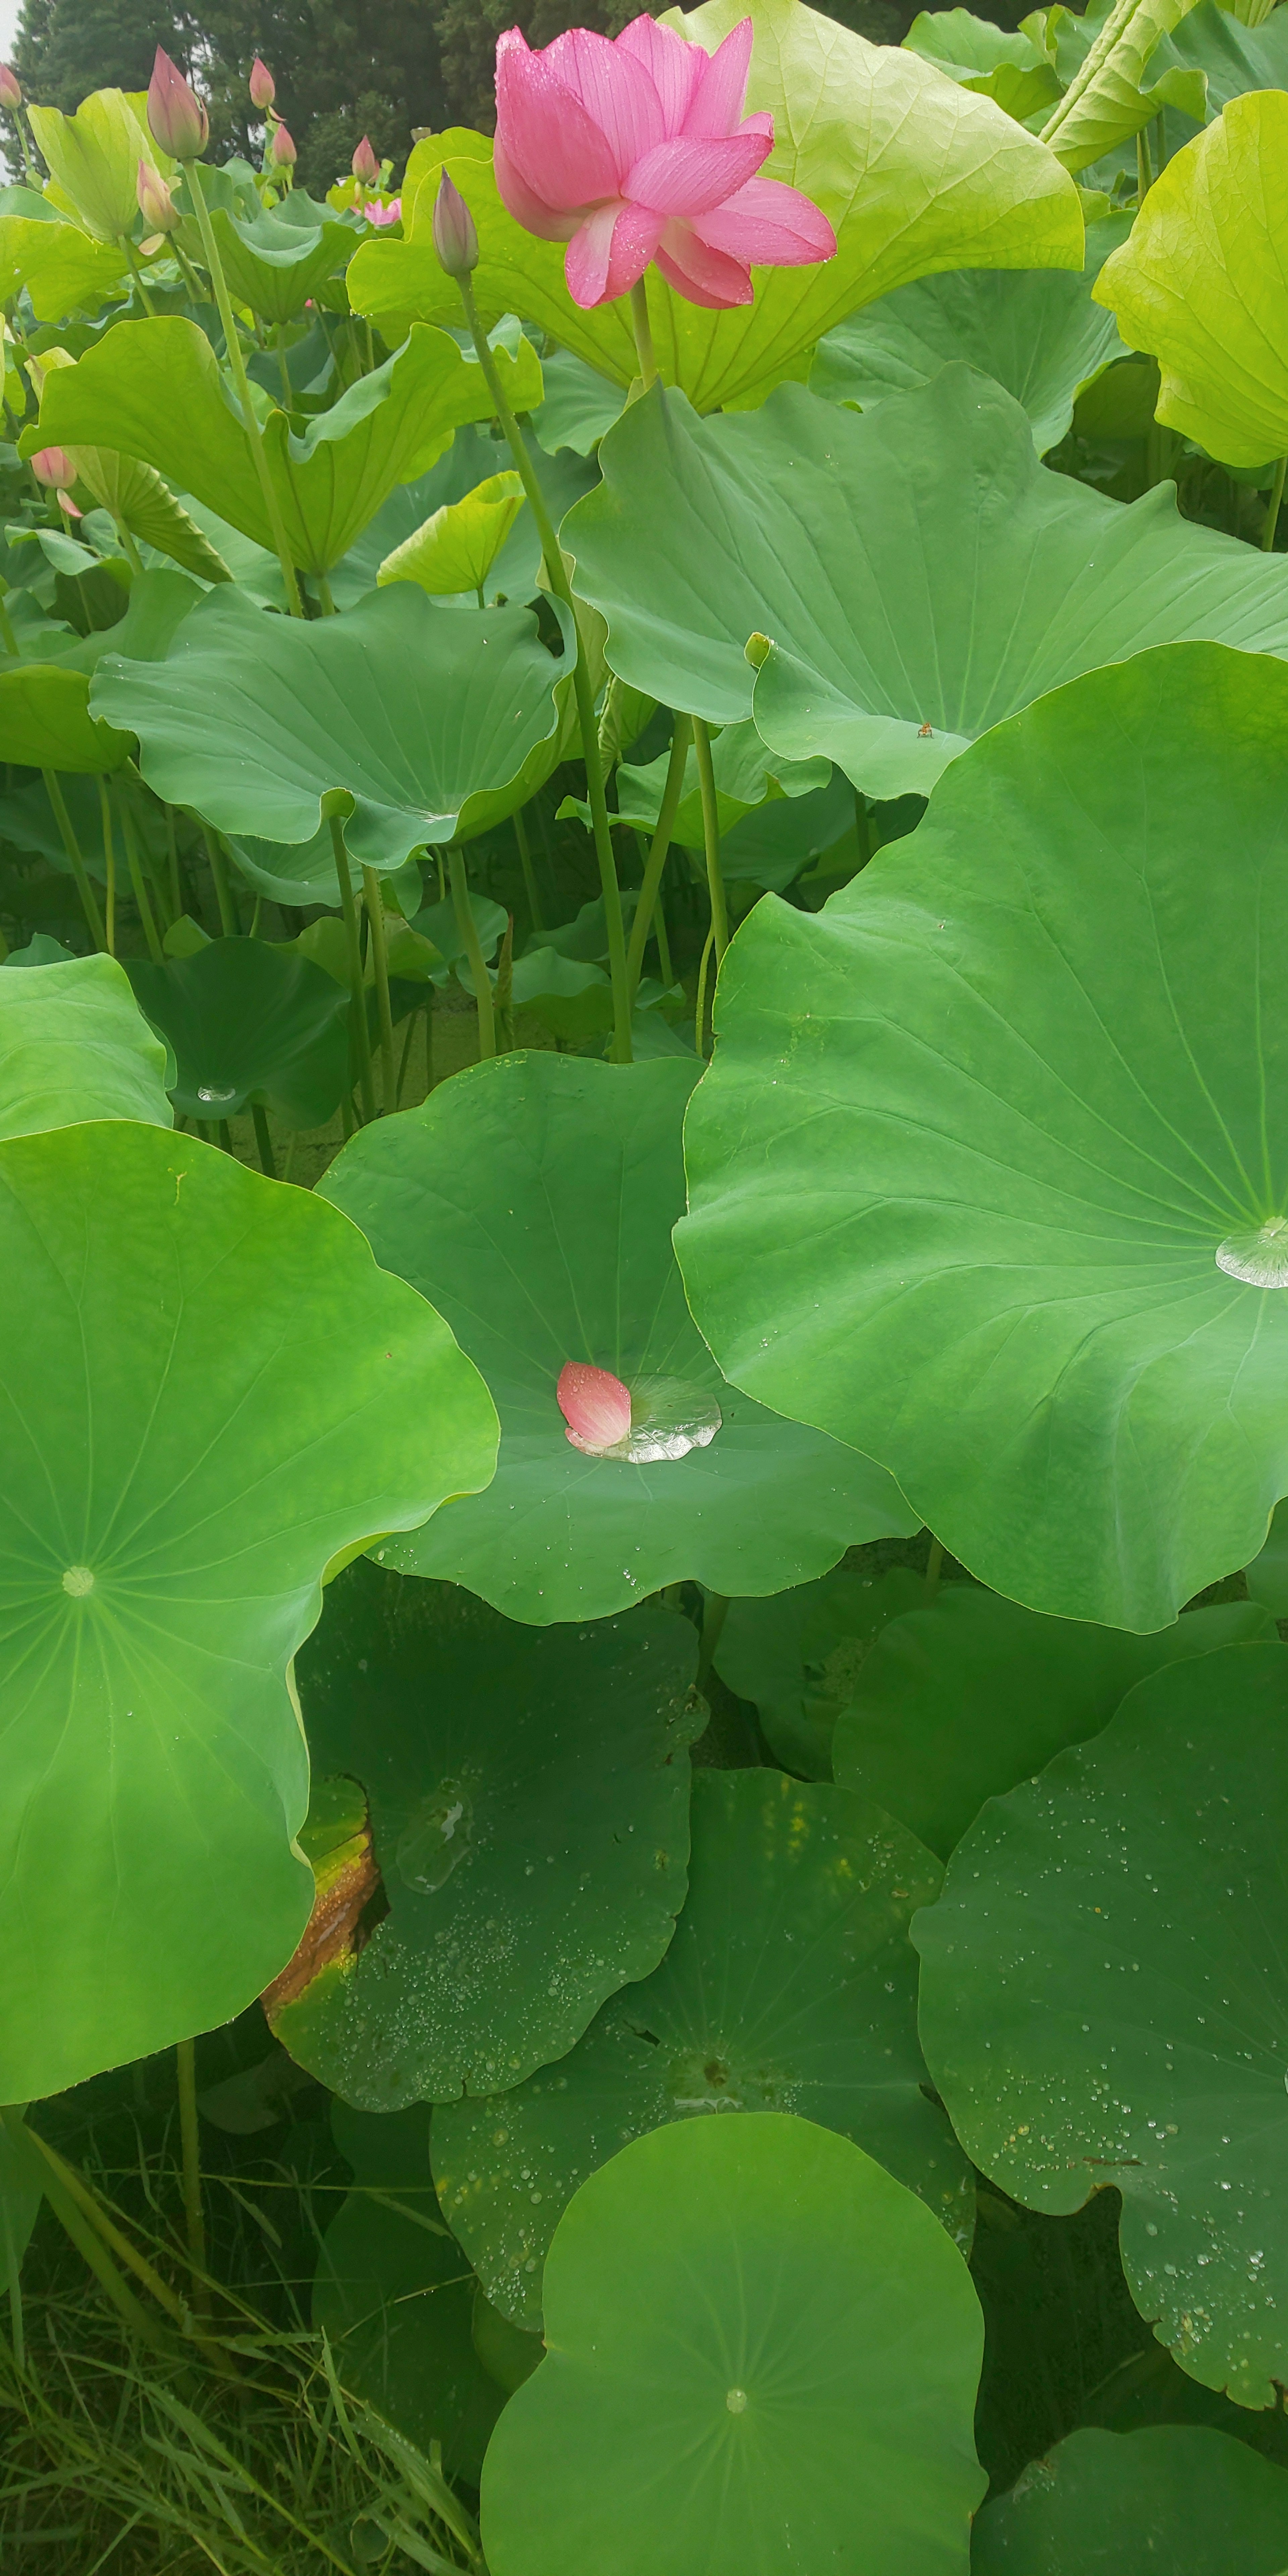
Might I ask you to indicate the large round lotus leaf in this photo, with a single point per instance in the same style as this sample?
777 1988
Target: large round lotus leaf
73 1046
1104 2000
45 716
990 1173
958 1702
798 1655
1035 331
277 258
533 1198
1172 2496
529 1803
998 63
918 573
207 1391
414 722
790 1986
249 1022
395 2298
913 174
762 2354
1200 283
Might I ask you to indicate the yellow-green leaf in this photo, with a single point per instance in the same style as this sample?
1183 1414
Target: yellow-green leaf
1106 102
456 548
94 158
62 269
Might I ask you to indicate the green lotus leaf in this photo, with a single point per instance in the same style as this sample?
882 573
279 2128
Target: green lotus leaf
456 548
919 574
534 1197
62 269
1267 1576
1231 57
414 723
1200 283
1036 333
1000 1201
999 63
577 404
45 718
746 774
249 1022
1106 101
762 2351
1172 2495
958 1702
533 1854
1102 2000
790 1986
138 499
570 998
914 174
798 1655
153 389
208 1391
275 260
74 1046
94 157
394 2298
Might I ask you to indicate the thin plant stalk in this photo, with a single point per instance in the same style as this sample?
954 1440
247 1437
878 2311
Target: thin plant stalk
128 547
263 1142
186 2070
699 1017
172 843
1144 171
380 962
357 984
468 928
650 891
525 862
109 863
237 362
89 900
150 931
219 878
138 276
1272 508
557 576
7 635
643 329
92 2232
711 837
405 1058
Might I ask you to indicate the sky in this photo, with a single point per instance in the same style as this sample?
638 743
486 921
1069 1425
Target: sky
8 25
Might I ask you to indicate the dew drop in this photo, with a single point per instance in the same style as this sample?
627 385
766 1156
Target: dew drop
212 1093
1258 1256
736 2401
78 1580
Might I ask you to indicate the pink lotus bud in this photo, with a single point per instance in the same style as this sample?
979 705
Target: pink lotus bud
53 467
178 120
594 1404
156 205
281 151
10 87
378 214
364 164
455 238
262 86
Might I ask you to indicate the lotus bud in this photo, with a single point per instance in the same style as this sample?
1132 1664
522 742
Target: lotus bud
281 151
262 86
53 467
594 1404
455 238
178 120
10 87
364 164
757 650
156 205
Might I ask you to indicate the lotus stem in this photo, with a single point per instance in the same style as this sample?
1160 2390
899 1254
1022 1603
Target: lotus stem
357 986
89 900
1272 508
468 928
650 891
525 862
711 837
643 329
186 2070
380 961
557 576
263 1141
699 1019
237 362
219 877
150 931
109 862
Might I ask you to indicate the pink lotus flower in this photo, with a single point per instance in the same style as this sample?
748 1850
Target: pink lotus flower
177 119
53 467
281 151
10 87
262 86
364 164
378 214
156 205
595 1405
638 150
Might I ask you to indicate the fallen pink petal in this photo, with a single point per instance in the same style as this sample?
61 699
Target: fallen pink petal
595 1405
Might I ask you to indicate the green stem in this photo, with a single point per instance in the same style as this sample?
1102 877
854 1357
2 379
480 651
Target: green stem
357 987
699 1017
380 962
89 900
186 2068
325 600
557 576
1144 173
236 360
862 827
150 932
468 928
934 1568
715 1611
657 857
138 277
711 837
10 640
176 886
264 1142
288 390
219 875
525 862
109 863
405 1058
195 288
128 547
28 151
1272 508
643 329
1115 24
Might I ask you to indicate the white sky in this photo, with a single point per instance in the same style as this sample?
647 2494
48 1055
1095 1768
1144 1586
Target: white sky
8 25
